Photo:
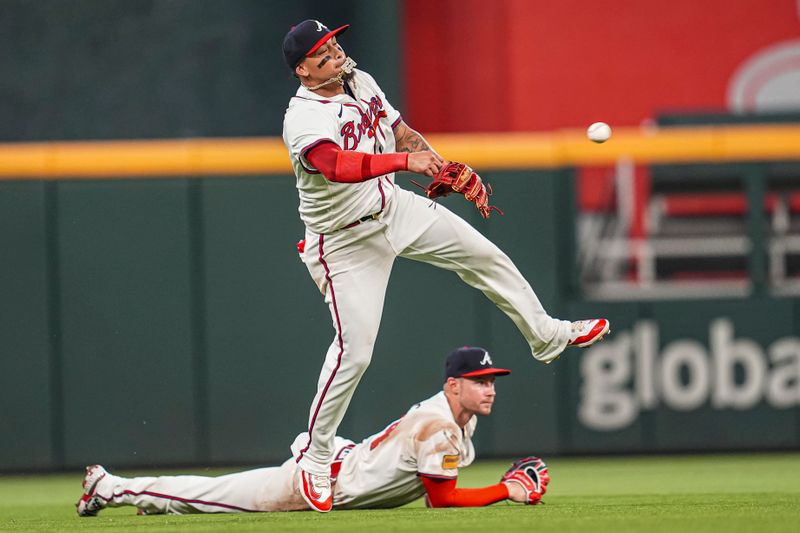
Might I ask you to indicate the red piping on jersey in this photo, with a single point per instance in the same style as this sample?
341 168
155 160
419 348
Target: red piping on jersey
341 454
315 100
308 170
339 357
176 498
316 143
383 198
396 122
336 465
304 153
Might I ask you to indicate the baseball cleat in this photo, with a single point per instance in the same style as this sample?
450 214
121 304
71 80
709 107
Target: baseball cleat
587 332
316 491
89 504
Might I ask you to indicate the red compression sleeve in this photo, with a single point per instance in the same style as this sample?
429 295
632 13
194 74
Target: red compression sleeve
351 167
443 493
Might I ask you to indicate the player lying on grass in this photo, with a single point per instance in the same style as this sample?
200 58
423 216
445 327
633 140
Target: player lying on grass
417 455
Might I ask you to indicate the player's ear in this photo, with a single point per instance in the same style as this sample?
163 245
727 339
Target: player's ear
452 385
300 70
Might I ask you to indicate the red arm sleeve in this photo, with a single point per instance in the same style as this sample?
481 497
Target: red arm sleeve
443 493
351 167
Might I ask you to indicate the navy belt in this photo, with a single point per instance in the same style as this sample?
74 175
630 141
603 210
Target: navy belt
373 216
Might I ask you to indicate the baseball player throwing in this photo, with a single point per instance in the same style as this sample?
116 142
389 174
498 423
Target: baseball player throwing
417 455
346 142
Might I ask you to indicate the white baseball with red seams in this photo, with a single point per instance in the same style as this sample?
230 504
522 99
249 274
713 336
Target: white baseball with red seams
599 132
351 266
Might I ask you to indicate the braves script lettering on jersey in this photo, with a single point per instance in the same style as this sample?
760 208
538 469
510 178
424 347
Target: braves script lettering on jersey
362 123
379 472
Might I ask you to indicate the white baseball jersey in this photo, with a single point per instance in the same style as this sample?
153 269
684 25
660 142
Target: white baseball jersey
363 123
383 470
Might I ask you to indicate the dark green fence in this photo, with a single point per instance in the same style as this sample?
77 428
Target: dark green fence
154 322
147 322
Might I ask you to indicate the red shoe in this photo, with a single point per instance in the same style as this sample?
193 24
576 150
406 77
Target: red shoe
587 332
316 491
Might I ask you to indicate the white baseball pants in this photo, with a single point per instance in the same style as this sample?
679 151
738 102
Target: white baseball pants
351 267
264 489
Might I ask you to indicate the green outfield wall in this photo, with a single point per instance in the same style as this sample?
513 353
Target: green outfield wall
164 322
149 322
708 375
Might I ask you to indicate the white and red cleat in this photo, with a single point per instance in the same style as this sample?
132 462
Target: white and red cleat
316 491
587 332
89 505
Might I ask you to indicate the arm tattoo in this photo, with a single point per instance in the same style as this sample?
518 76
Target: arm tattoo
411 141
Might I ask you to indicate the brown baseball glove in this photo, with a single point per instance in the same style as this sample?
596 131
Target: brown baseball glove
460 178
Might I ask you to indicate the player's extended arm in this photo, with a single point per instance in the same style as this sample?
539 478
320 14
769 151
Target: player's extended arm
443 493
351 167
347 166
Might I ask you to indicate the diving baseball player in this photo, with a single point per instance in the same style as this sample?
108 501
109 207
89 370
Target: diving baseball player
417 455
346 142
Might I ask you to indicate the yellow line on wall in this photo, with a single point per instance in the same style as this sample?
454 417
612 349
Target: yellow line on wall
496 151
669 145
111 159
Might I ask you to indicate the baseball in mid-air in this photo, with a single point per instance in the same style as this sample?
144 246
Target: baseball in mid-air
599 132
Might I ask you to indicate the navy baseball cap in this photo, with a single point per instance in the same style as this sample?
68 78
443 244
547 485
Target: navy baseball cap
304 39
470 362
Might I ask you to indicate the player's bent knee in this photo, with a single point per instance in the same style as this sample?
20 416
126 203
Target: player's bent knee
359 353
359 361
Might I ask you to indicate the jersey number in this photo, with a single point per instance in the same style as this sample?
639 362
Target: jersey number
385 435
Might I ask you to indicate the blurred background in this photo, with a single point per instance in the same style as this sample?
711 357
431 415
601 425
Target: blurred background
153 310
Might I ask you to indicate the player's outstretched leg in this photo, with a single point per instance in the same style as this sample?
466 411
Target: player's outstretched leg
452 244
262 489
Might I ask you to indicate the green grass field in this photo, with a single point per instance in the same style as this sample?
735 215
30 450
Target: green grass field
719 494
